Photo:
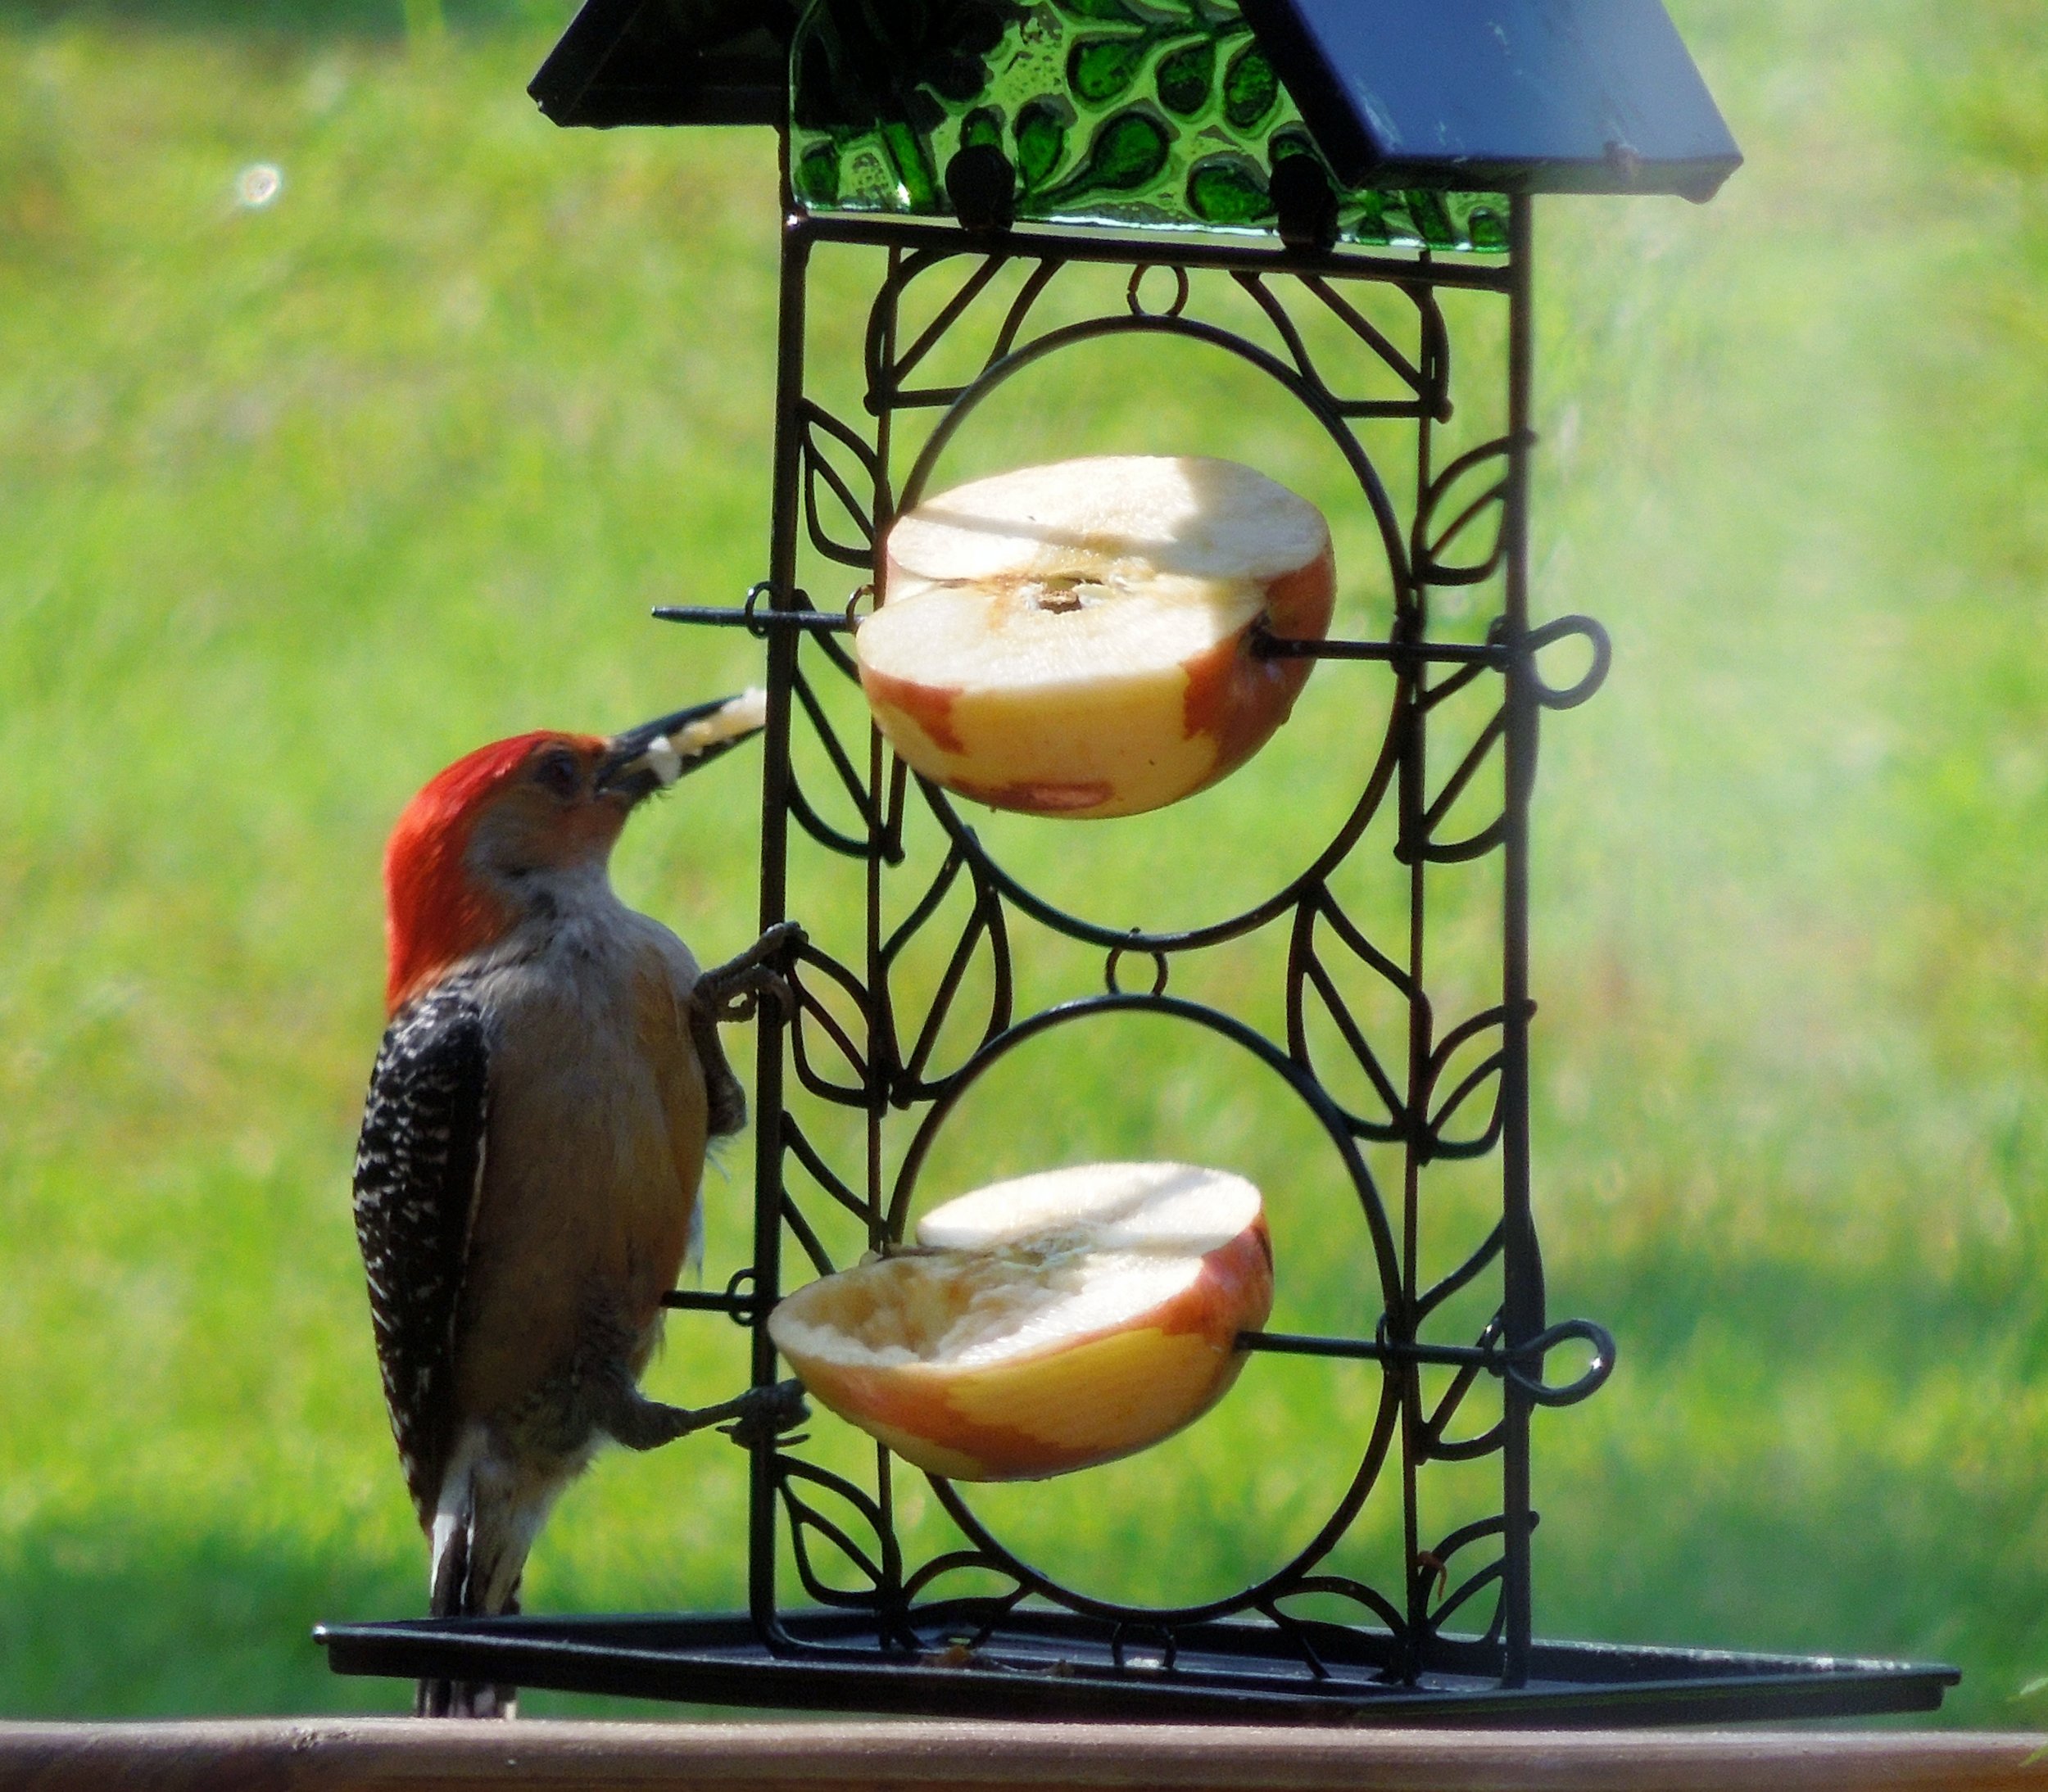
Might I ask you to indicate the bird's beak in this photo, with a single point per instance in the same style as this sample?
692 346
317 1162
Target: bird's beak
653 756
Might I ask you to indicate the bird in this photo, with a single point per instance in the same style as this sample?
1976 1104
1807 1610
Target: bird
527 1179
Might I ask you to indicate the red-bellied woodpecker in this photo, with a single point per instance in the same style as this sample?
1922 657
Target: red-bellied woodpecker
526 1181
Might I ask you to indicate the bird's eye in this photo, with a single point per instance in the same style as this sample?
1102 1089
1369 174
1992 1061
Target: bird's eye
557 772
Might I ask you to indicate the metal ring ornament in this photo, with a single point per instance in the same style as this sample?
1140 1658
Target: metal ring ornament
1366 474
1134 295
1283 1581
1116 955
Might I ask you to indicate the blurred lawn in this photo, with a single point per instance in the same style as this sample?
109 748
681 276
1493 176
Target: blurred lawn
298 501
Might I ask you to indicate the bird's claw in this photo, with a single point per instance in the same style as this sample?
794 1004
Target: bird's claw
767 1414
786 938
778 945
743 1002
732 992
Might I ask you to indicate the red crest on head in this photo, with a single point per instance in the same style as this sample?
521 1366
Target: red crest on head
434 912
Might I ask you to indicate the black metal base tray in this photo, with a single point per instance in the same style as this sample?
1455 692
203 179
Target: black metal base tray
1046 1664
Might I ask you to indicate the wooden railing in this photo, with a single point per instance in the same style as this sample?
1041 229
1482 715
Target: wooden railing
384 1755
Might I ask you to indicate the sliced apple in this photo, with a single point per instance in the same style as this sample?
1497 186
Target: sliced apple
1076 639
1045 1324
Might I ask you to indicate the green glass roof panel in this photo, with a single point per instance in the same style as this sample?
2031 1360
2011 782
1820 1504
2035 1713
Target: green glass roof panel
1147 114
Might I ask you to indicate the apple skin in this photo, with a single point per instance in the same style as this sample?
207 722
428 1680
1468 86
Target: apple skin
1237 699
1133 743
1074 1403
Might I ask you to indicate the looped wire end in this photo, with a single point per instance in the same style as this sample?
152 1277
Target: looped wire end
1116 956
751 608
1565 1332
1570 696
739 1289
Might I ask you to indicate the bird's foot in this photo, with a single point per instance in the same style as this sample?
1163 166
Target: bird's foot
767 1414
732 991
757 1415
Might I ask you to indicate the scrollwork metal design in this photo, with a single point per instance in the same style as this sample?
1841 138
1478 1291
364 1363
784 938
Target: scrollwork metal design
866 1033
909 1079
879 1564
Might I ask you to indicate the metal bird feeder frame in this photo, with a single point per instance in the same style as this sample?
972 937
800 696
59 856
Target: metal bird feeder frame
1254 175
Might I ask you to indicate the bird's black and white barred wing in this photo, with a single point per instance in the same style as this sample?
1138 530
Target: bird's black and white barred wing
419 1167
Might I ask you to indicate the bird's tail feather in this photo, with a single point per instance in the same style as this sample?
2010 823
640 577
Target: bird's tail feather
460 1586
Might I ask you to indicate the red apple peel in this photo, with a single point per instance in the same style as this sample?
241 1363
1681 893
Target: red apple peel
1092 1329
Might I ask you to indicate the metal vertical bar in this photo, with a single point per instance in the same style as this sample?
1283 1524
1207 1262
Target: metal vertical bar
877 1014
880 1013
1414 806
1523 1304
775 789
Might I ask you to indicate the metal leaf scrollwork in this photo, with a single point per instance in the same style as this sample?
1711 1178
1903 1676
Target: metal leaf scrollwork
796 1144
970 1619
1493 732
1020 308
1459 539
891 365
1434 1566
1436 1423
814 1022
1309 971
1423 380
1438 1447
1301 1634
859 1536
841 526
1485 1032
1305 1633
848 782
1423 842
983 934
1112 966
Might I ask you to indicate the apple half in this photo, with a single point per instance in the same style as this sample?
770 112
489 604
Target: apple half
1076 639
1042 1324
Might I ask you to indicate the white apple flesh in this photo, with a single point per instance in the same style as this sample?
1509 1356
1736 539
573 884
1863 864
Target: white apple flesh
1076 639
1044 1324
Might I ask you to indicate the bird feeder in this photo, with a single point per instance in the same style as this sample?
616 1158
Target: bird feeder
1336 198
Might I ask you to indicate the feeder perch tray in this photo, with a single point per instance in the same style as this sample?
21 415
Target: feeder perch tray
1044 1664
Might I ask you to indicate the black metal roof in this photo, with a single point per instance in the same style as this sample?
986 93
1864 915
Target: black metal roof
1500 96
671 62
1519 96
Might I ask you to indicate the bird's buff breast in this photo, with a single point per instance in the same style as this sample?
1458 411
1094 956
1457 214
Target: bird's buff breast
594 1156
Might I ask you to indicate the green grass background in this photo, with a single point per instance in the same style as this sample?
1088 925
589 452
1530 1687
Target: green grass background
298 502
